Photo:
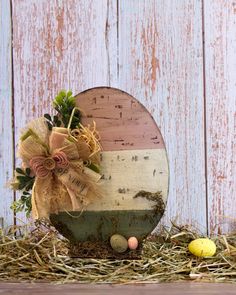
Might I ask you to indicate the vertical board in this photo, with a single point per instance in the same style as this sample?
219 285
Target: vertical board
161 64
60 44
220 71
6 142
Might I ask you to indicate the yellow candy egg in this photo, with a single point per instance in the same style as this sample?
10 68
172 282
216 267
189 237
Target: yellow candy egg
203 247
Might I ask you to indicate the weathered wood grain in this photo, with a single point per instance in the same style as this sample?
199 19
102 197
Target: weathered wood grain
60 44
6 141
151 49
123 123
128 172
220 71
160 63
186 288
133 154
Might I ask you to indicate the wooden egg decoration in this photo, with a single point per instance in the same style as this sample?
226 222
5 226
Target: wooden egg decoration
134 166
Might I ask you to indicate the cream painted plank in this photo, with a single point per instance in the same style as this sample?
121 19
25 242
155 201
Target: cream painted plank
6 142
161 64
60 44
128 172
220 70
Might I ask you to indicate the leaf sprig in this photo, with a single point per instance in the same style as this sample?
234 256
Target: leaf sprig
25 184
23 204
64 104
25 180
52 122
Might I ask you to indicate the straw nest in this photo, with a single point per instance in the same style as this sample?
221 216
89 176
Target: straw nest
42 255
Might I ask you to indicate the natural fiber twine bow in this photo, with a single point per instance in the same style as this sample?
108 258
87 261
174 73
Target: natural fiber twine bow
62 181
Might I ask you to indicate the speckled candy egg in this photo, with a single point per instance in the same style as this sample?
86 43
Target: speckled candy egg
132 243
202 247
118 243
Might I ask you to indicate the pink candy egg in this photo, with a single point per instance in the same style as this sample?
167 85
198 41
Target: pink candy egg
132 243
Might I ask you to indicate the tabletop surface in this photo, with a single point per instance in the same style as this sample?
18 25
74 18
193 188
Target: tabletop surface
152 289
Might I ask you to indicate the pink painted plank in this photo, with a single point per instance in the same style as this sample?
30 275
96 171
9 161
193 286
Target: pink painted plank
220 64
60 44
123 123
161 64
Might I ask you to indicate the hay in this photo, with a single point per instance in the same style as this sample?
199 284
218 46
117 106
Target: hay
42 255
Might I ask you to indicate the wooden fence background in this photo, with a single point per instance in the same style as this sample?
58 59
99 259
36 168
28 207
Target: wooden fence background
177 57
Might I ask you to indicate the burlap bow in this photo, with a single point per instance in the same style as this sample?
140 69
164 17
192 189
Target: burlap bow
59 160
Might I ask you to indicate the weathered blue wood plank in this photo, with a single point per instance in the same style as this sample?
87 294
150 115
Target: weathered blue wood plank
6 141
161 64
60 44
220 71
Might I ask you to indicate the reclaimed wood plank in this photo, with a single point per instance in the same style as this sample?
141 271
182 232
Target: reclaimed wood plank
161 64
152 289
220 71
6 142
60 44
128 172
123 123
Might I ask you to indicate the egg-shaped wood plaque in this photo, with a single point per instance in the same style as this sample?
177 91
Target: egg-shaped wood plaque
134 168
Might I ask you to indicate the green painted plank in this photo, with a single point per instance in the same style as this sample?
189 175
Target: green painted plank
101 225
